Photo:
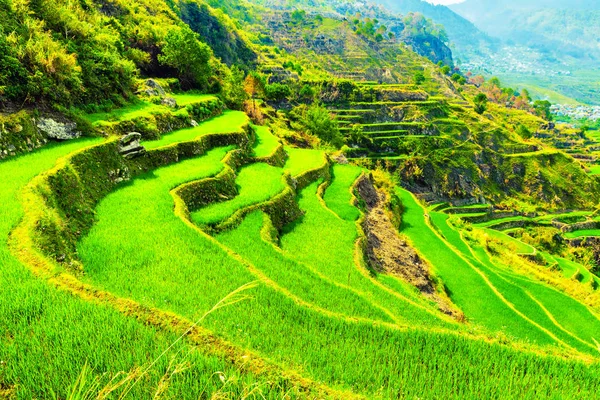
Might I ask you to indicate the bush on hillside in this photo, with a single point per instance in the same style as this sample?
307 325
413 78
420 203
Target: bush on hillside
316 120
190 57
277 91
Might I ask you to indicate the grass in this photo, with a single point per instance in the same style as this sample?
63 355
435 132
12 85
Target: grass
142 108
317 311
516 245
334 258
183 99
533 301
302 160
464 282
338 196
297 278
229 121
583 233
48 336
266 143
256 183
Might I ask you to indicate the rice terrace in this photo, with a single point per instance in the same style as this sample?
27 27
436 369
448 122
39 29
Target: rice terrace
269 199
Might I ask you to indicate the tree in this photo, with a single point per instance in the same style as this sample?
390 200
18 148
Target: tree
298 16
184 51
524 132
233 89
419 77
317 121
254 85
445 70
481 101
307 92
277 91
456 77
542 109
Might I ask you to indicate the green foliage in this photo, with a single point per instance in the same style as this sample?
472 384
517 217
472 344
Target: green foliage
316 120
277 91
524 132
542 109
190 57
217 30
419 77
445 70
480 103
307 92
233 89
298 16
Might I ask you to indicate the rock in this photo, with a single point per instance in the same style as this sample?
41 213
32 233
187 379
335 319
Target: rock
194 123
58 130
169 102
341 159
152 84
130 147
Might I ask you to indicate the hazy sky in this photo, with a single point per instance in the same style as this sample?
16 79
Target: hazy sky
444 1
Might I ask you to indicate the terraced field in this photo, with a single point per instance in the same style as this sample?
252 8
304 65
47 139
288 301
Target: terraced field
146 267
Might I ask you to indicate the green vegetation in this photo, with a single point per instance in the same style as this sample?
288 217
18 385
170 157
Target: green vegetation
256 183
266 142
332 182
230 121
338 197
42 348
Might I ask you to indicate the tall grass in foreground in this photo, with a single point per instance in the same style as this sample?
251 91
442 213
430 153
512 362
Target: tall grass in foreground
150 255
47 337
121 385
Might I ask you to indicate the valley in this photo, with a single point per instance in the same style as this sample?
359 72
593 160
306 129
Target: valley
296 203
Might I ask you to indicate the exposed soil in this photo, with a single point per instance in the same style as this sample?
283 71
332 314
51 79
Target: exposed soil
388 253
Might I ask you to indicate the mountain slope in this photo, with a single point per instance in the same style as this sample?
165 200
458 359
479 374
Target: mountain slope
557 26
463 34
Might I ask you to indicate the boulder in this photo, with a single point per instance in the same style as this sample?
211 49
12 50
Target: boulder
58 130
169 102
130 147
154 86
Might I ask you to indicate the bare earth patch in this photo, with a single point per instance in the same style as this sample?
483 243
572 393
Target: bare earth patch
388 253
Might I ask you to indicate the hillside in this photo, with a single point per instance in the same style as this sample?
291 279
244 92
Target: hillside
465 37
557 27
551 48
274 199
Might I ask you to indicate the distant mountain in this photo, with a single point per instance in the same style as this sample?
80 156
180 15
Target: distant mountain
557 27
463 34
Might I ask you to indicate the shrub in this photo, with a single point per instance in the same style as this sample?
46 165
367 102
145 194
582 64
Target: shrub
480 103
277 91
190 57
317 121
524 132
419 78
